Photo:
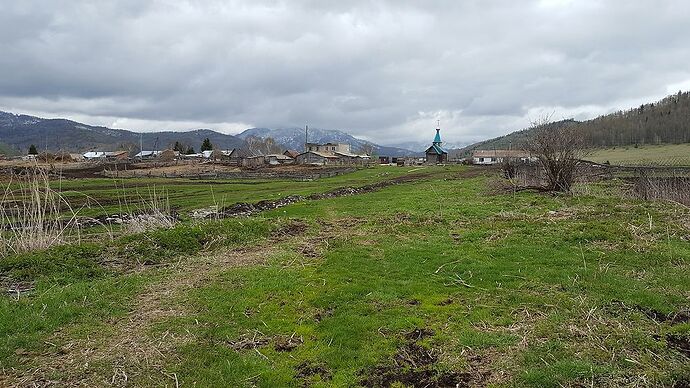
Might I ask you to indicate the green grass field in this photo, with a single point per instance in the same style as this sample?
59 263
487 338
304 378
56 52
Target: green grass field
107 196
654 155
436 282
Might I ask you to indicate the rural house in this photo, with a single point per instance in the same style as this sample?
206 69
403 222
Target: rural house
106 155
241 153
291 153
487 157
330 153
146 154
316 157
329 147
275 159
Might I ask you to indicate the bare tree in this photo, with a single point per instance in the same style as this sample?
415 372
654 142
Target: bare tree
367 148
559 147
259 146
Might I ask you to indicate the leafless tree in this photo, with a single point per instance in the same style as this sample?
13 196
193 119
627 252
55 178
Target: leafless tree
367 148
559 147
259 146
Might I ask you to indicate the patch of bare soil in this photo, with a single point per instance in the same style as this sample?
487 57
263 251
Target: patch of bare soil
321 314
308 370
245 342
287 343
673 318
477 171
682 383
675 341
418 334
16 288
679 342
414 365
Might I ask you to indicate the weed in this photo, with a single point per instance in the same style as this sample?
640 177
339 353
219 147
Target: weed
34 213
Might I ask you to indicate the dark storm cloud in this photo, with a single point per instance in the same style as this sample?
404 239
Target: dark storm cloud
384 70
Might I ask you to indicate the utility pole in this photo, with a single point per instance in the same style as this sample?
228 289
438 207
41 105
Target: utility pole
306 142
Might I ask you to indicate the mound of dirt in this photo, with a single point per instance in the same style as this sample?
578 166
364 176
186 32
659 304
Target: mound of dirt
413 365
679 342
308 370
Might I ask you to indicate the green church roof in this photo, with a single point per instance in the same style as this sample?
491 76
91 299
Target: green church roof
437 139
437 149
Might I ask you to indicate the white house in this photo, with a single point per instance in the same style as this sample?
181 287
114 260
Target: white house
97 155
487 157
147 154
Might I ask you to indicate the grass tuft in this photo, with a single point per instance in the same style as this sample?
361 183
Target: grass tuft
37 216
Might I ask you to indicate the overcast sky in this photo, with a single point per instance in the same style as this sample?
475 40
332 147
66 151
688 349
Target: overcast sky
382 70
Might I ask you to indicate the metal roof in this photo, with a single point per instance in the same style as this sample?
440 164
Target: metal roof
321 154
437 148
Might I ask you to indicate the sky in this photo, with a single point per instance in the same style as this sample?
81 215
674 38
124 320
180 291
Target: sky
382 70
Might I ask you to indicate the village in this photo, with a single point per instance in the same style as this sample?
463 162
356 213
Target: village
329 154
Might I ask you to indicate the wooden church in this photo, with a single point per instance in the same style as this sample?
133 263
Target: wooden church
436 153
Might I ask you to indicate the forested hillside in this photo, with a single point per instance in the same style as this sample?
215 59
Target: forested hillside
663 122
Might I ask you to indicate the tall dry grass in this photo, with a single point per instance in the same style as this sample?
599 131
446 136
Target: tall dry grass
649 185
34 216
150 212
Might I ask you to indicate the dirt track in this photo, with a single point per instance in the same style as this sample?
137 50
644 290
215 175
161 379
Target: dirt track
247 209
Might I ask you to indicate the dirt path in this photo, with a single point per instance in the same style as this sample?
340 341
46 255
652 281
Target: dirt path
248 209
127 354
128 351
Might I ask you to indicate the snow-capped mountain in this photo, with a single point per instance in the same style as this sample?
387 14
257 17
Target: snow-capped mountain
294 138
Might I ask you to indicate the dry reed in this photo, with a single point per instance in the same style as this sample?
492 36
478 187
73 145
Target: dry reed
34 216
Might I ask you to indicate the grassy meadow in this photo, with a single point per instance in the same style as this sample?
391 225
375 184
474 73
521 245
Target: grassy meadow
91 197
644 155
444 280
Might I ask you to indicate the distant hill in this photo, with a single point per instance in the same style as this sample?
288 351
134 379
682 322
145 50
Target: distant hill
18 132
514 140
293 138
663 122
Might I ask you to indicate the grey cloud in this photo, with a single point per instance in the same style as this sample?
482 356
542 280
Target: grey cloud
384 70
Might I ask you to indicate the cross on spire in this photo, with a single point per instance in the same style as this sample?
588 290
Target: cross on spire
437 138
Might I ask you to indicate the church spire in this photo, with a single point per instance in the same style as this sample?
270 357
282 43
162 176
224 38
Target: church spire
437 139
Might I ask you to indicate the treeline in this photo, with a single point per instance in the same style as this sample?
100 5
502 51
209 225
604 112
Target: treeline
665 121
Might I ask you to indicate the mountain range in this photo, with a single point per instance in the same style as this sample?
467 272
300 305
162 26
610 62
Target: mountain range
663 121
18 132
294 138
